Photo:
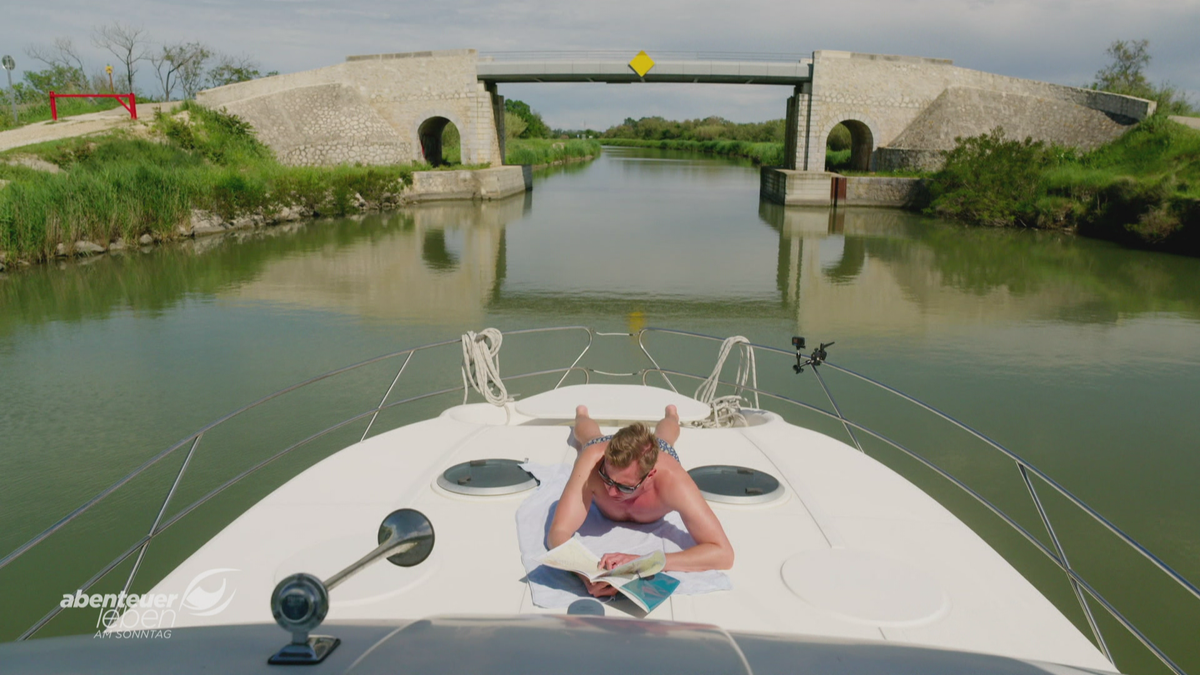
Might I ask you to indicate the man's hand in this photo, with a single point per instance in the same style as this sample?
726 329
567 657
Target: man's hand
599 589
614 560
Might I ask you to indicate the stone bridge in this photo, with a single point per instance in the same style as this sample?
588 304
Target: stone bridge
901 111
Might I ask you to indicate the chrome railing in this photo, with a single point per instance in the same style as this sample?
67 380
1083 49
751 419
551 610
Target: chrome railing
1027 471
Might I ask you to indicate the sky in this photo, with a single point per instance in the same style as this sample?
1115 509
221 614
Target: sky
1059 41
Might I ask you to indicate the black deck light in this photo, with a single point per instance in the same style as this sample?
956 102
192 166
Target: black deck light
300 602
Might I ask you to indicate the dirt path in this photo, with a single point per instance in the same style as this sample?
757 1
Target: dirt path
79 125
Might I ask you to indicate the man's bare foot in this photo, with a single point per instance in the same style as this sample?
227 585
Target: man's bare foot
585 428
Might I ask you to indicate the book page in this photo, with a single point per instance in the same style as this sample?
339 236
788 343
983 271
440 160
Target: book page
647 565
573 556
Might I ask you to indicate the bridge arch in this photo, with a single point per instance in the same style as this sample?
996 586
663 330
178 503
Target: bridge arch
429 137
863 135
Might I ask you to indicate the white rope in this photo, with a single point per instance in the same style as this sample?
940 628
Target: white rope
481 365
726 410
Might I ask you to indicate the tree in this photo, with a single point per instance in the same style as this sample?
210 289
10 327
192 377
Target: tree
514 125
1126 74
192 74
57 78
128 43
233 68
535 127
64 59
177 62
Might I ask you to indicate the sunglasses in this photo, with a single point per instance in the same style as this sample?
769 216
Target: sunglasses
625 489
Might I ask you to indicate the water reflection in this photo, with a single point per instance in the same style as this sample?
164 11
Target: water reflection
434 263
874 270
870 271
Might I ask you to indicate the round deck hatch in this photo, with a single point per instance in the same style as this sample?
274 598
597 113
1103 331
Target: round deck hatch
487 477
736 484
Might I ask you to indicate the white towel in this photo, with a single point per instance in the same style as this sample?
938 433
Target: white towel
553 588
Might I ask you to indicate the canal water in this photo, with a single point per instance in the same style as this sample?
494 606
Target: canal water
1081 357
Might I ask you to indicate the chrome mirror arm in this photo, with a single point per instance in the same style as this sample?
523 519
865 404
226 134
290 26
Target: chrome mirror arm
300 602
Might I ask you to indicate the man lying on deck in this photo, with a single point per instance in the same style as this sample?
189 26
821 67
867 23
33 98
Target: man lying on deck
635 475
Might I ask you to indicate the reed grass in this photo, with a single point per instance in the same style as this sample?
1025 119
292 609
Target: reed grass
539 151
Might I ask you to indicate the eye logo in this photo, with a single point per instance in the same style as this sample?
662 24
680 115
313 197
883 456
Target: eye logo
210 598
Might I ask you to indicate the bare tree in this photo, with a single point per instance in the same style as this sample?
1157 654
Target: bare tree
192 74
128 43
64 58
180 64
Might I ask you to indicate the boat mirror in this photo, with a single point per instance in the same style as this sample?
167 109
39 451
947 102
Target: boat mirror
410 534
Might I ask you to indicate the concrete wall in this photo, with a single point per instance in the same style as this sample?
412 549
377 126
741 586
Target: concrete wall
888 94
367 110
883 191
795 188
485 184
815 188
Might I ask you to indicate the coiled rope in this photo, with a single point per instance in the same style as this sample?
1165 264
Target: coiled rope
481 365
726 410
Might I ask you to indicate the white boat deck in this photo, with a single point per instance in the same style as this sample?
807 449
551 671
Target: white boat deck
851 551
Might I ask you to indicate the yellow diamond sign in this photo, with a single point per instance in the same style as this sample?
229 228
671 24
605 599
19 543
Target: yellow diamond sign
641 64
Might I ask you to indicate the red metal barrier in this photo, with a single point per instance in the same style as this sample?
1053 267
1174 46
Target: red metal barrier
131 106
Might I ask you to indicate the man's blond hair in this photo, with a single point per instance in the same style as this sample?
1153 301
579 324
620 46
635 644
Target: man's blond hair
634 442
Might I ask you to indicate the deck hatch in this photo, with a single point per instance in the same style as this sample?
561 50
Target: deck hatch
736 484
487 477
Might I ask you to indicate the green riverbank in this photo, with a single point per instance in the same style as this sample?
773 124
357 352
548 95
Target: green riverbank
150 183
1141 190
763 154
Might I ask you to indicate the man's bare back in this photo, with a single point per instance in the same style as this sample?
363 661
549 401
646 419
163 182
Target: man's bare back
648 487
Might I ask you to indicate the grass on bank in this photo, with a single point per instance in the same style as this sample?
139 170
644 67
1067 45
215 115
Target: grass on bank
127 184
761 154
535 151
540 151
764 154
1142 189
123 185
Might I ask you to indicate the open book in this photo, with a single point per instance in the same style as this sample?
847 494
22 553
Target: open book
641 580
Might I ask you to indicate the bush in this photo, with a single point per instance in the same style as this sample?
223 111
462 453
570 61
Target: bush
991 180
1143 189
